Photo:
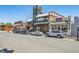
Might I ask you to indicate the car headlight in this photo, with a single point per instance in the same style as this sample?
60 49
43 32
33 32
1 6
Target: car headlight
40 33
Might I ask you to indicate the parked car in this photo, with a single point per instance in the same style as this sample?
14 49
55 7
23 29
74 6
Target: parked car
56 33
21 31
38 33
5 50
27 32
16 30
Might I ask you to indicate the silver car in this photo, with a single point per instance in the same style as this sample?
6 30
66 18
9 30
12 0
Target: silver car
38 33
54 33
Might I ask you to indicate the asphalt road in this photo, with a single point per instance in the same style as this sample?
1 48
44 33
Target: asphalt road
37 44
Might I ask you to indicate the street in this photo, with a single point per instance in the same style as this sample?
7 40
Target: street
37 44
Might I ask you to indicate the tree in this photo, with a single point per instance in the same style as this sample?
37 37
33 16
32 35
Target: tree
8 24
2 23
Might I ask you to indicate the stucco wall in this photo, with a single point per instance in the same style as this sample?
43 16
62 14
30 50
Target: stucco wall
73 30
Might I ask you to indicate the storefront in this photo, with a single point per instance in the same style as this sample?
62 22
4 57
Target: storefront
51 21
42 27
59 26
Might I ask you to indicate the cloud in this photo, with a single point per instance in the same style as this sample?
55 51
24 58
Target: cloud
29 20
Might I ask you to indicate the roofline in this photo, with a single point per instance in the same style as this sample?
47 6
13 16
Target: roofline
57 13
50 14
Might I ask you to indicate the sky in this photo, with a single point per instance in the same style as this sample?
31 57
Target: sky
13 13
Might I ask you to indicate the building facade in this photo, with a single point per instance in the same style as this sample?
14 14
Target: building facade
6 28
23 25
29 25
51 21
19 24
74 26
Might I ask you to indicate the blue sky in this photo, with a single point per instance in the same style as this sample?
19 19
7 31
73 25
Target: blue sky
12 13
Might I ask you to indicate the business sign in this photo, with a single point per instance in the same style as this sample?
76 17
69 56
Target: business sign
59 19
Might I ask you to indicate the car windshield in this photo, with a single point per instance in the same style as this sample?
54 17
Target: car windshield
56 31
36 31
62 31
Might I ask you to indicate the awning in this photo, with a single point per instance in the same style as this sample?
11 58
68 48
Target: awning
57 23
41 23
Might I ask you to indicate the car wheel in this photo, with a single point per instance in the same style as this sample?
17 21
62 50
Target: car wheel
58 36
39 34
61 37
47 35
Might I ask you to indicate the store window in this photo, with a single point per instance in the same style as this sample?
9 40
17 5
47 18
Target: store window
58 28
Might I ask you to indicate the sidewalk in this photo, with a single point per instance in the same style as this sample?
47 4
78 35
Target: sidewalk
70 38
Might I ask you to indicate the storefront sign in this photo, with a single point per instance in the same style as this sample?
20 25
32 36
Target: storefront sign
58 19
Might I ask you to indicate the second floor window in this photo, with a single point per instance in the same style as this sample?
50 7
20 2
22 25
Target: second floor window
42 19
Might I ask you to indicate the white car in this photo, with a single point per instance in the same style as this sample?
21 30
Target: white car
54 33
38 33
